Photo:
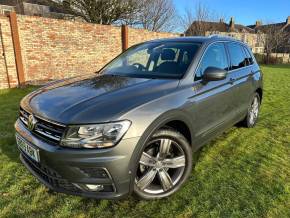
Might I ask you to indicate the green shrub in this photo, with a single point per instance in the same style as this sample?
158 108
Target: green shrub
262 59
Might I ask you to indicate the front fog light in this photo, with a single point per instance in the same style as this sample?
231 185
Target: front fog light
94 188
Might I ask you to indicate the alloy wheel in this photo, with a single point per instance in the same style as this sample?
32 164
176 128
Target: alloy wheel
254 111
161 166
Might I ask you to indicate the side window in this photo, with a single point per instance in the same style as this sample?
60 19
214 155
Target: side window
237 56
249 57
215 56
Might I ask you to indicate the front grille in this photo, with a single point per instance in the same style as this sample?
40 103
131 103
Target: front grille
45 129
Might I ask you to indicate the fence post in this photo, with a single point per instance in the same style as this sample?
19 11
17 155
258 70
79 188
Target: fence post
124 35
17 49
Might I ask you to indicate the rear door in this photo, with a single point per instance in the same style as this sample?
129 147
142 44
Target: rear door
240 75
211 103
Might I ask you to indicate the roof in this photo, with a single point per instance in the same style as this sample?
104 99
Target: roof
218 27
54 7
8 2
262 28
242 28
15 2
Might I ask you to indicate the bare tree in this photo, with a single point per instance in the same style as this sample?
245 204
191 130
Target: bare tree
156 15
274 39
101 11
199 21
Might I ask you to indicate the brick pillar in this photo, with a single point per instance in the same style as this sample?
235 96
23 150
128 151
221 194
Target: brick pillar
124 37
17 48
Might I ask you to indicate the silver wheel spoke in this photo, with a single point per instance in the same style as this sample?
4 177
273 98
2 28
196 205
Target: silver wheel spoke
174 162
164 147
169 165
254 111
146 180
251 117
255 114
165 179
147 159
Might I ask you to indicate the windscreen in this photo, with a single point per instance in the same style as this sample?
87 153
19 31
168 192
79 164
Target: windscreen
154 60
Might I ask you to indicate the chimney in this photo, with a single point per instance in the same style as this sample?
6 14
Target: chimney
232 24
258 23
221 20
288 20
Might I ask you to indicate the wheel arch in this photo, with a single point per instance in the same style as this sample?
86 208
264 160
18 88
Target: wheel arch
173 119
181 127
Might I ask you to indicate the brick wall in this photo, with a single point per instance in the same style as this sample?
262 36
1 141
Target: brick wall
54 49
140 35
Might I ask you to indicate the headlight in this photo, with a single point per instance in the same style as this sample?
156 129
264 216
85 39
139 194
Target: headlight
95 135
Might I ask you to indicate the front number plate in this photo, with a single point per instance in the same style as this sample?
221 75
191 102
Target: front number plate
27 149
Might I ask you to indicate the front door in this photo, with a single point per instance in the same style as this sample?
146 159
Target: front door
211 102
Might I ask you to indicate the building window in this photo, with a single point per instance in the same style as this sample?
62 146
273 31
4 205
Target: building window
6 11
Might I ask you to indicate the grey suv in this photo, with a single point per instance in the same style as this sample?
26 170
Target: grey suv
134 126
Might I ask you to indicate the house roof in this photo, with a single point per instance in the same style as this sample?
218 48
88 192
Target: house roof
282 25
54 7
242 28
219 27
8 2
276 25
38 2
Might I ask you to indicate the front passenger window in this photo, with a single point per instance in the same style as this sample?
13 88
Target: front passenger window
215 56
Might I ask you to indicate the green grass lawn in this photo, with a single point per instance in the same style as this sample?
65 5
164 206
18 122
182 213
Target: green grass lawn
243 173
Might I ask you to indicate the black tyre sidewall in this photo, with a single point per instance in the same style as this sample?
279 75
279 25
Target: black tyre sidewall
181 140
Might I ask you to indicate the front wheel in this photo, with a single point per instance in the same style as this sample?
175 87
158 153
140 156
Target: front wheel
164 165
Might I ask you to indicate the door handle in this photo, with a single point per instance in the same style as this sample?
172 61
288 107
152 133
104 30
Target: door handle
232 80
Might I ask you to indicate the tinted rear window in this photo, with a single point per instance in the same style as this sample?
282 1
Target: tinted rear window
249 57
237 56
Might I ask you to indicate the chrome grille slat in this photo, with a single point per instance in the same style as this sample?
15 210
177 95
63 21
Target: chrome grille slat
44 128
41 126
48 135
24 120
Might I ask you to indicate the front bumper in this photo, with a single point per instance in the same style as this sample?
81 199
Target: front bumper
68 170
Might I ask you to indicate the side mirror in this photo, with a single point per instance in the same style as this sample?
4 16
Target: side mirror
214 74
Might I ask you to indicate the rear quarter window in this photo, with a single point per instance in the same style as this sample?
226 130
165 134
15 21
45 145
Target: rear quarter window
249 57
237 56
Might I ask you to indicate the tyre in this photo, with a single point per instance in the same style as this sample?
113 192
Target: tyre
164 165
253 112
